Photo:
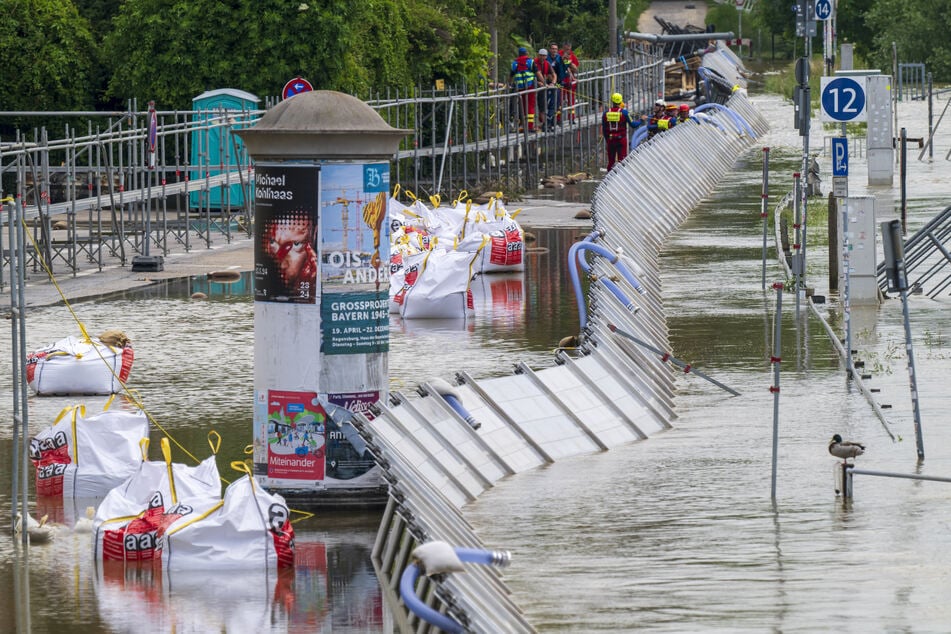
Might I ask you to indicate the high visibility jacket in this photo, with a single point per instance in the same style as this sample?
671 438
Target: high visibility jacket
614 123
523 72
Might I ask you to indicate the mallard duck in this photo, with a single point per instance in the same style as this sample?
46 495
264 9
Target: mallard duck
845 449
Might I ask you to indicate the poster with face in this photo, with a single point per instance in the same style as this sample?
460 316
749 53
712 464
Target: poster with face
285 255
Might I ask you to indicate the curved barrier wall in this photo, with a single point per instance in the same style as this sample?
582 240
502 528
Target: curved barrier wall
610 393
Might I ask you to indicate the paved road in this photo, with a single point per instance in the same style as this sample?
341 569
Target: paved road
238 255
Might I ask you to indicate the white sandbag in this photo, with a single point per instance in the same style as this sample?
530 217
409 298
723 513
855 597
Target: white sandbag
134 515
441 290
79 366
504 253
85 457
250 529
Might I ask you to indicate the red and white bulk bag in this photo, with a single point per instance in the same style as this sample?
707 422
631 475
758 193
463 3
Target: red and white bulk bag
79 366
85 457
251 528
441 289
134 515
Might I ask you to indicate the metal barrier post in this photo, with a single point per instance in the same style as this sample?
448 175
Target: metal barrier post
847 481
774 388
763 213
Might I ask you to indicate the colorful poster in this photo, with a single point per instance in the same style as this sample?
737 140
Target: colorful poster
354 267
286 217
296 435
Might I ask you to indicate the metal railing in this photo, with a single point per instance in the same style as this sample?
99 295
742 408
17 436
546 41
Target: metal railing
928 253
115 182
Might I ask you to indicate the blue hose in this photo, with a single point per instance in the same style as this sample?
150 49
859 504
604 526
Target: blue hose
638 136
420 609
740 122
574 261
621 297
573 264
461 410
416 606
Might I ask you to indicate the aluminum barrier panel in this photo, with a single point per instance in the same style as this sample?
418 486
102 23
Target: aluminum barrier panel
612 391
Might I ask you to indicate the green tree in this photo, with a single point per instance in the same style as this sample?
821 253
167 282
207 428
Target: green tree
919 28
171 50
46 51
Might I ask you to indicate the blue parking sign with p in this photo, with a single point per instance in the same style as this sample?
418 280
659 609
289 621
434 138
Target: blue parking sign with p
840 156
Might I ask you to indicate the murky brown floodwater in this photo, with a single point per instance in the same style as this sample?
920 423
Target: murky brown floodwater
673 534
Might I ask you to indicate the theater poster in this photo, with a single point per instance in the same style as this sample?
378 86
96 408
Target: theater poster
286 220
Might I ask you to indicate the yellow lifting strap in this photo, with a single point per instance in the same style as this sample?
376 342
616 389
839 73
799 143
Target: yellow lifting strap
74 410
214 441
167 455
462 195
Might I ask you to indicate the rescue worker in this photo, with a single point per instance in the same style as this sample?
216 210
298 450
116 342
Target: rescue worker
614 124
669 119
656 116
522 78
569 83
683 113
545 76
554 91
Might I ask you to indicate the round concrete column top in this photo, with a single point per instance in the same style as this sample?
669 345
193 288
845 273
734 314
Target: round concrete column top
322 124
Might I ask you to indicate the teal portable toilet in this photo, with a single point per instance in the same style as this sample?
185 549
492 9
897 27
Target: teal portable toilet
214 146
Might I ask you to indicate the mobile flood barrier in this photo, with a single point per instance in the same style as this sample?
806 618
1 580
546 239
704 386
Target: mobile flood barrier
439 450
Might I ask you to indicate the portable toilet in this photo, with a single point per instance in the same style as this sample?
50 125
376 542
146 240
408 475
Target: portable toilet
215 149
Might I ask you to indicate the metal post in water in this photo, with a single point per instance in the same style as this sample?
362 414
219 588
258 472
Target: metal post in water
763 208
846 301
21 419
930 116
775 360
797 239
902 179
847 489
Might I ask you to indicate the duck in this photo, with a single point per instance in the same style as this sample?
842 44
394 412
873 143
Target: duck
39 531
845 449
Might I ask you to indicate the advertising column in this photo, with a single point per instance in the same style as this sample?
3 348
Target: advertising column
321 289
289 421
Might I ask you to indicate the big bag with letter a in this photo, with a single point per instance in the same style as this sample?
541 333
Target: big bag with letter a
85 457
251 528
134 515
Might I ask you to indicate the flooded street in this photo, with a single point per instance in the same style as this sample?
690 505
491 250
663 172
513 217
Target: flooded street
676 533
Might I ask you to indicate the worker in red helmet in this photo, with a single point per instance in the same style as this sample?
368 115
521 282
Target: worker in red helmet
614 124
683 113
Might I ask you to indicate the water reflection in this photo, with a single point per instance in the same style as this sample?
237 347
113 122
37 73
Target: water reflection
192 369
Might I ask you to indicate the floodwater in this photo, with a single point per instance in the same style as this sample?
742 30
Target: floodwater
676 533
